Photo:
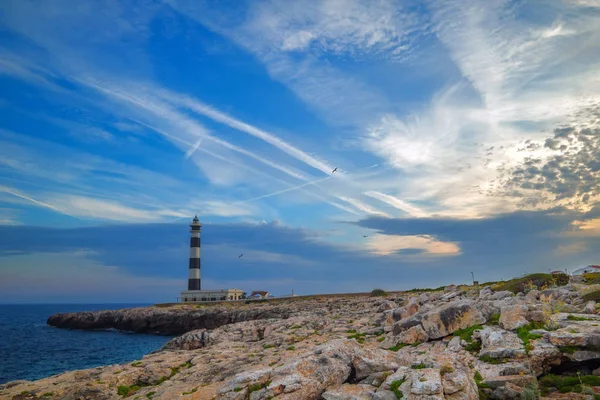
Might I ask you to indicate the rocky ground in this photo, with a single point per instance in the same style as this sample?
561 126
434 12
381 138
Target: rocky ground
452 343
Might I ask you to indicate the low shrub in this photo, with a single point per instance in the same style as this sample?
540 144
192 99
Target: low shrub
395 387
378 292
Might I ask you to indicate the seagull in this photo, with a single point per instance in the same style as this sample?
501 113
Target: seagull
365 236
241 255
335 169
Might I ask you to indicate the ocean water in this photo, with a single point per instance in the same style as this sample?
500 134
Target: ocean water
30 349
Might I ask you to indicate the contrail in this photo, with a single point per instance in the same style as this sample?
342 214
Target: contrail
191 151
284 190
39 203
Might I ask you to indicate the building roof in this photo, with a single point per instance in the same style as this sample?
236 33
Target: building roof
259 292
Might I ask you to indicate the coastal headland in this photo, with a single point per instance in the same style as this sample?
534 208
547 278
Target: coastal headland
529 338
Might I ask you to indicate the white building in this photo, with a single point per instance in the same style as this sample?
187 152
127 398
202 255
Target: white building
211 295
587 270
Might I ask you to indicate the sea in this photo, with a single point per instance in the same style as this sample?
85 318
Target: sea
30 349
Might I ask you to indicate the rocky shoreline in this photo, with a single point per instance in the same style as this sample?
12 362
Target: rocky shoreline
164 321
534 341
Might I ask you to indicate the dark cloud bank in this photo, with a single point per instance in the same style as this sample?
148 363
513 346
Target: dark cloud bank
499 247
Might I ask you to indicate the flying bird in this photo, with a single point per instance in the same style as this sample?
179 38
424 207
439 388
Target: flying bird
335 169
241 255
365 235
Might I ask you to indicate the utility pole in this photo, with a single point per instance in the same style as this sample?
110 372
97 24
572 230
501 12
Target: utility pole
473 276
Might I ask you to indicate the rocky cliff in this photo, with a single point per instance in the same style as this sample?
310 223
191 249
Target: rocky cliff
458 343
165 321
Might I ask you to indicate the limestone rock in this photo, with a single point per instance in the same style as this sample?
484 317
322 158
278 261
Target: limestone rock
513 317
448 319
416 334
500 344
350 392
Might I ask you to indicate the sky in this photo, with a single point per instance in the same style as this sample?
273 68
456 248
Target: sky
464 135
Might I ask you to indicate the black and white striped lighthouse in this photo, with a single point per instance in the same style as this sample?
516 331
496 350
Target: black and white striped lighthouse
194 278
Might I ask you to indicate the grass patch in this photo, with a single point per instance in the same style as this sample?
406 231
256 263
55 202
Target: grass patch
296 327
473 347
446 369
291 348
48 394
238 389
539 281
150 394
395 387
194 390
136 364
568 384
418 366
467 333
595 295
494 319
127 391
398 346
258 386
480 386
572 317
592 278
268 346
360 337
524 334
491 360
380 339
568 349
378 292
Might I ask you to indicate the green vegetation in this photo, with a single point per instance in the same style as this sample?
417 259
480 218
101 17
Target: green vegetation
238 389
481 385
568 349
360 337
395 387
491 360
571 317
150 394
127 391
291 348
524 334
257 386
418 366
592 279
268 346
380 339
378 292
351 331
494 319
194 390
467 334
379 333
595 295
398 346
296 327
48 394
533 281
568 384
446 369
136 364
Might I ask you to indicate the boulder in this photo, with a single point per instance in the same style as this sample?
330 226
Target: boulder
513 317
590 308
368 361
448 319
500 344
426 381
416 334
350 392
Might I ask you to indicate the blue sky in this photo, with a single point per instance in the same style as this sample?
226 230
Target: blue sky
466 136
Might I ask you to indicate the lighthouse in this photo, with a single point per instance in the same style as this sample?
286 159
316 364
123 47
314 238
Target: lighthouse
194 277
194 293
